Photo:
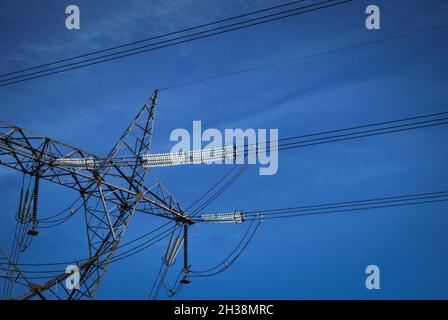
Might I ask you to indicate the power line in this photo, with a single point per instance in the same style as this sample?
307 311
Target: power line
169 43
298 145
353 209
355 203
153 38
163 272
121 246
371 125
220 191
348 206
211 188
340 137
123 255
298 59
333 138
235 254
343 134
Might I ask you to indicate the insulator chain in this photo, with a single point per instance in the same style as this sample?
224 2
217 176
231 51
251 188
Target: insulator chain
185 280
34 231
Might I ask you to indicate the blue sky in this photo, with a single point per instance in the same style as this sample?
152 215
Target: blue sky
301 258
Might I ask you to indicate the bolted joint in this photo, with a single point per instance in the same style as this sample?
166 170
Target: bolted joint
97 178
184 219
139 196
124 207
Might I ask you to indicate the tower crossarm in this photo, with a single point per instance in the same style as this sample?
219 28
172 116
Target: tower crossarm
26 151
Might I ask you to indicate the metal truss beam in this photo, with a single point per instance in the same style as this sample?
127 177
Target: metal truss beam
112 193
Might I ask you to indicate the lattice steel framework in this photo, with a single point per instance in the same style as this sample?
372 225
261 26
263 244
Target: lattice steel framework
112 189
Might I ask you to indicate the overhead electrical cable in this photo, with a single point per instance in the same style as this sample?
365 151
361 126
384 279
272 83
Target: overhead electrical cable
220 191
351 210
296 142
211 188
152 38
235 254
169 43
401 198
343 134
349 206
119 247
123 255
304 57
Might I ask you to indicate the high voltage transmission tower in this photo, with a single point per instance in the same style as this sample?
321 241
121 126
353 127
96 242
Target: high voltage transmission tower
112 189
